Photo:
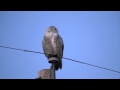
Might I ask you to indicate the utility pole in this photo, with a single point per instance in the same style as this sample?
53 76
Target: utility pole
48 73
53 61
44 74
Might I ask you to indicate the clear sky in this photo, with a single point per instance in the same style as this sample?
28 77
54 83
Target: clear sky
89 36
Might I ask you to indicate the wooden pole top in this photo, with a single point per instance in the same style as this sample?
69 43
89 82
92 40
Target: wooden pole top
44 74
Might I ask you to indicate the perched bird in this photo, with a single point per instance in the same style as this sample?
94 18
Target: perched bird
53 45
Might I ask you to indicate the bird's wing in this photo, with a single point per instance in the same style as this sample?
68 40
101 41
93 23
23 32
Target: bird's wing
47 46
58 48
58 45
44 45
62 44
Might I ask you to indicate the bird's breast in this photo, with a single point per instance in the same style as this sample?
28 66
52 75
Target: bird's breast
53 42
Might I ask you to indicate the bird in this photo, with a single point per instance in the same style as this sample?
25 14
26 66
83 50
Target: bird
53 45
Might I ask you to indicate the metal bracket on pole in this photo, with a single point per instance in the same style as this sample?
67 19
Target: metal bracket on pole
53 60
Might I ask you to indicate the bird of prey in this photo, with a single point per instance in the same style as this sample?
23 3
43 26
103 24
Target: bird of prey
53 45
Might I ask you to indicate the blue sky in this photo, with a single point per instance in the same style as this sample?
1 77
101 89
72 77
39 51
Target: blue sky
89 36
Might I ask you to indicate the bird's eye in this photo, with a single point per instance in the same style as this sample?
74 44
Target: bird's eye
48 31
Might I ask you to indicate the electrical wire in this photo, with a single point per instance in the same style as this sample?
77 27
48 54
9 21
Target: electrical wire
63 58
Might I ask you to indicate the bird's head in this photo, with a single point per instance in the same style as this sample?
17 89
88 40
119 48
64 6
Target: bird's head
51 30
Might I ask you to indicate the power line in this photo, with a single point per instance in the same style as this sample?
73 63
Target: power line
91 65
21 50
63 58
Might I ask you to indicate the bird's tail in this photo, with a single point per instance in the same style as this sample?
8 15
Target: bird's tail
58 65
